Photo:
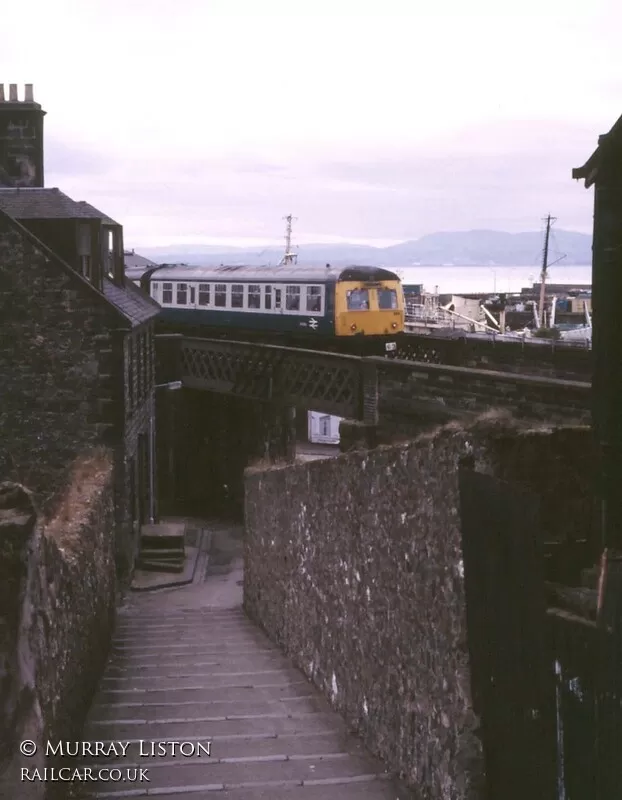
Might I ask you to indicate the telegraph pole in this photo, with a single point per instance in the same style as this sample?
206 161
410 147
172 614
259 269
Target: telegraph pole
545 260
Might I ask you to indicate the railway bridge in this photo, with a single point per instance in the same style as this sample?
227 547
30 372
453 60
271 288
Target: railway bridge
240 399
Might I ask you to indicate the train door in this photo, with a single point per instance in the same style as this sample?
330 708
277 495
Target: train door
278 300
192 299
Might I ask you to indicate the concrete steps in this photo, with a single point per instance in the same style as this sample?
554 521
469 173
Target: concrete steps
162 548
211 677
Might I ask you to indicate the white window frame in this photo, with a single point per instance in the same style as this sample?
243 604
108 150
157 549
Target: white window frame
172 291
295 312
321 295
227 297
200 291
179 284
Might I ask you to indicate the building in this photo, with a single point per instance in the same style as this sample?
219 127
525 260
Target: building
323 428
603 171
77 345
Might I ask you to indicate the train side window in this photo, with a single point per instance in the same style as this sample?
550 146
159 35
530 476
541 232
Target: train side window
387 299
204 294
220 295
314 299
182 294
193 293
357 299
167 294
267 297
237 295
254 296
292 298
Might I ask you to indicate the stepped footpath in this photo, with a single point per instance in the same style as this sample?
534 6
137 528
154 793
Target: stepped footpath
188 666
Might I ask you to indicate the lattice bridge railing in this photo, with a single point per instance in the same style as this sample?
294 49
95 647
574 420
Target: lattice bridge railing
325 382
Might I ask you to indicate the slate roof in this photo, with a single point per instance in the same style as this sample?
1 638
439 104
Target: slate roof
132 302
133 261
26 203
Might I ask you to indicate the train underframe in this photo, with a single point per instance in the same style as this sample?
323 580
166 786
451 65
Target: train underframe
345 345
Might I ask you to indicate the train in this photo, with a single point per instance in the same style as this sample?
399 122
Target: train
355 309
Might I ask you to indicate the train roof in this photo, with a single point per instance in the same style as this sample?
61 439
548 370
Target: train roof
297 273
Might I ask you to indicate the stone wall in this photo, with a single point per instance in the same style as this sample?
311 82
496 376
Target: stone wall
57 363
359 577
58 595
434 393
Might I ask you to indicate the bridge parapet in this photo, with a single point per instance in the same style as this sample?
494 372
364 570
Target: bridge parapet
368 388
423 388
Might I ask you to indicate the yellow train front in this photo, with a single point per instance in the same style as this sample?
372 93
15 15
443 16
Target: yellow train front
357 310
369 303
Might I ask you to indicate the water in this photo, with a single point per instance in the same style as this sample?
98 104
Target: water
489 279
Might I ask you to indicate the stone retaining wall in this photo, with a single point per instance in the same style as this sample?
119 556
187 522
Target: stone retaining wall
57 601
353 566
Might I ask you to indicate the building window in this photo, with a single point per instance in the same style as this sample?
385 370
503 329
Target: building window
110 255
130 373
237 295
220 295
182 294
268 297
85 266
254 296
167 294
140 366
314 299
292 298
387 299
357 300
204 294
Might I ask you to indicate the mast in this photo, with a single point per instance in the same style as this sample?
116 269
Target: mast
545 261
289 257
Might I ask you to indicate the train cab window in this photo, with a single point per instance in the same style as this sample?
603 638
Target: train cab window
292 298
267 297
254 296
204 294
182 294
237 295
387 299
220 295
357 299
167 294
314 299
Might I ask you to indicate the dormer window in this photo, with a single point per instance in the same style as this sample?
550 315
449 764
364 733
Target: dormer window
110 255
84 250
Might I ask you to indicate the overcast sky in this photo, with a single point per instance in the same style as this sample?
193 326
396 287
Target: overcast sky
205 121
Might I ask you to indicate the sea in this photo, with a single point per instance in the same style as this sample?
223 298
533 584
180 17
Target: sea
489 280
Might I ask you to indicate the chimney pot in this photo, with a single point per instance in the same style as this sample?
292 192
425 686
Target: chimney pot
1 93
28 93
13 93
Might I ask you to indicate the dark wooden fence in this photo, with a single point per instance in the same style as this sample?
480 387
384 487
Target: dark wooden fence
547 681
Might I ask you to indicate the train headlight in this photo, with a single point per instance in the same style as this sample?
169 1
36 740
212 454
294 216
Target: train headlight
352 327
394 324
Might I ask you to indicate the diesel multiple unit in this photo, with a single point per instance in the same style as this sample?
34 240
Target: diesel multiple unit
351 309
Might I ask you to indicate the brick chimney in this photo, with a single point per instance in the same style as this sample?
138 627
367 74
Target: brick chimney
21 138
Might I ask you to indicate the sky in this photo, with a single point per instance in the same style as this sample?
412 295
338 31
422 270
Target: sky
372 121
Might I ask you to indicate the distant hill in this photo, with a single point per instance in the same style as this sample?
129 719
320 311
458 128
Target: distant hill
465 248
